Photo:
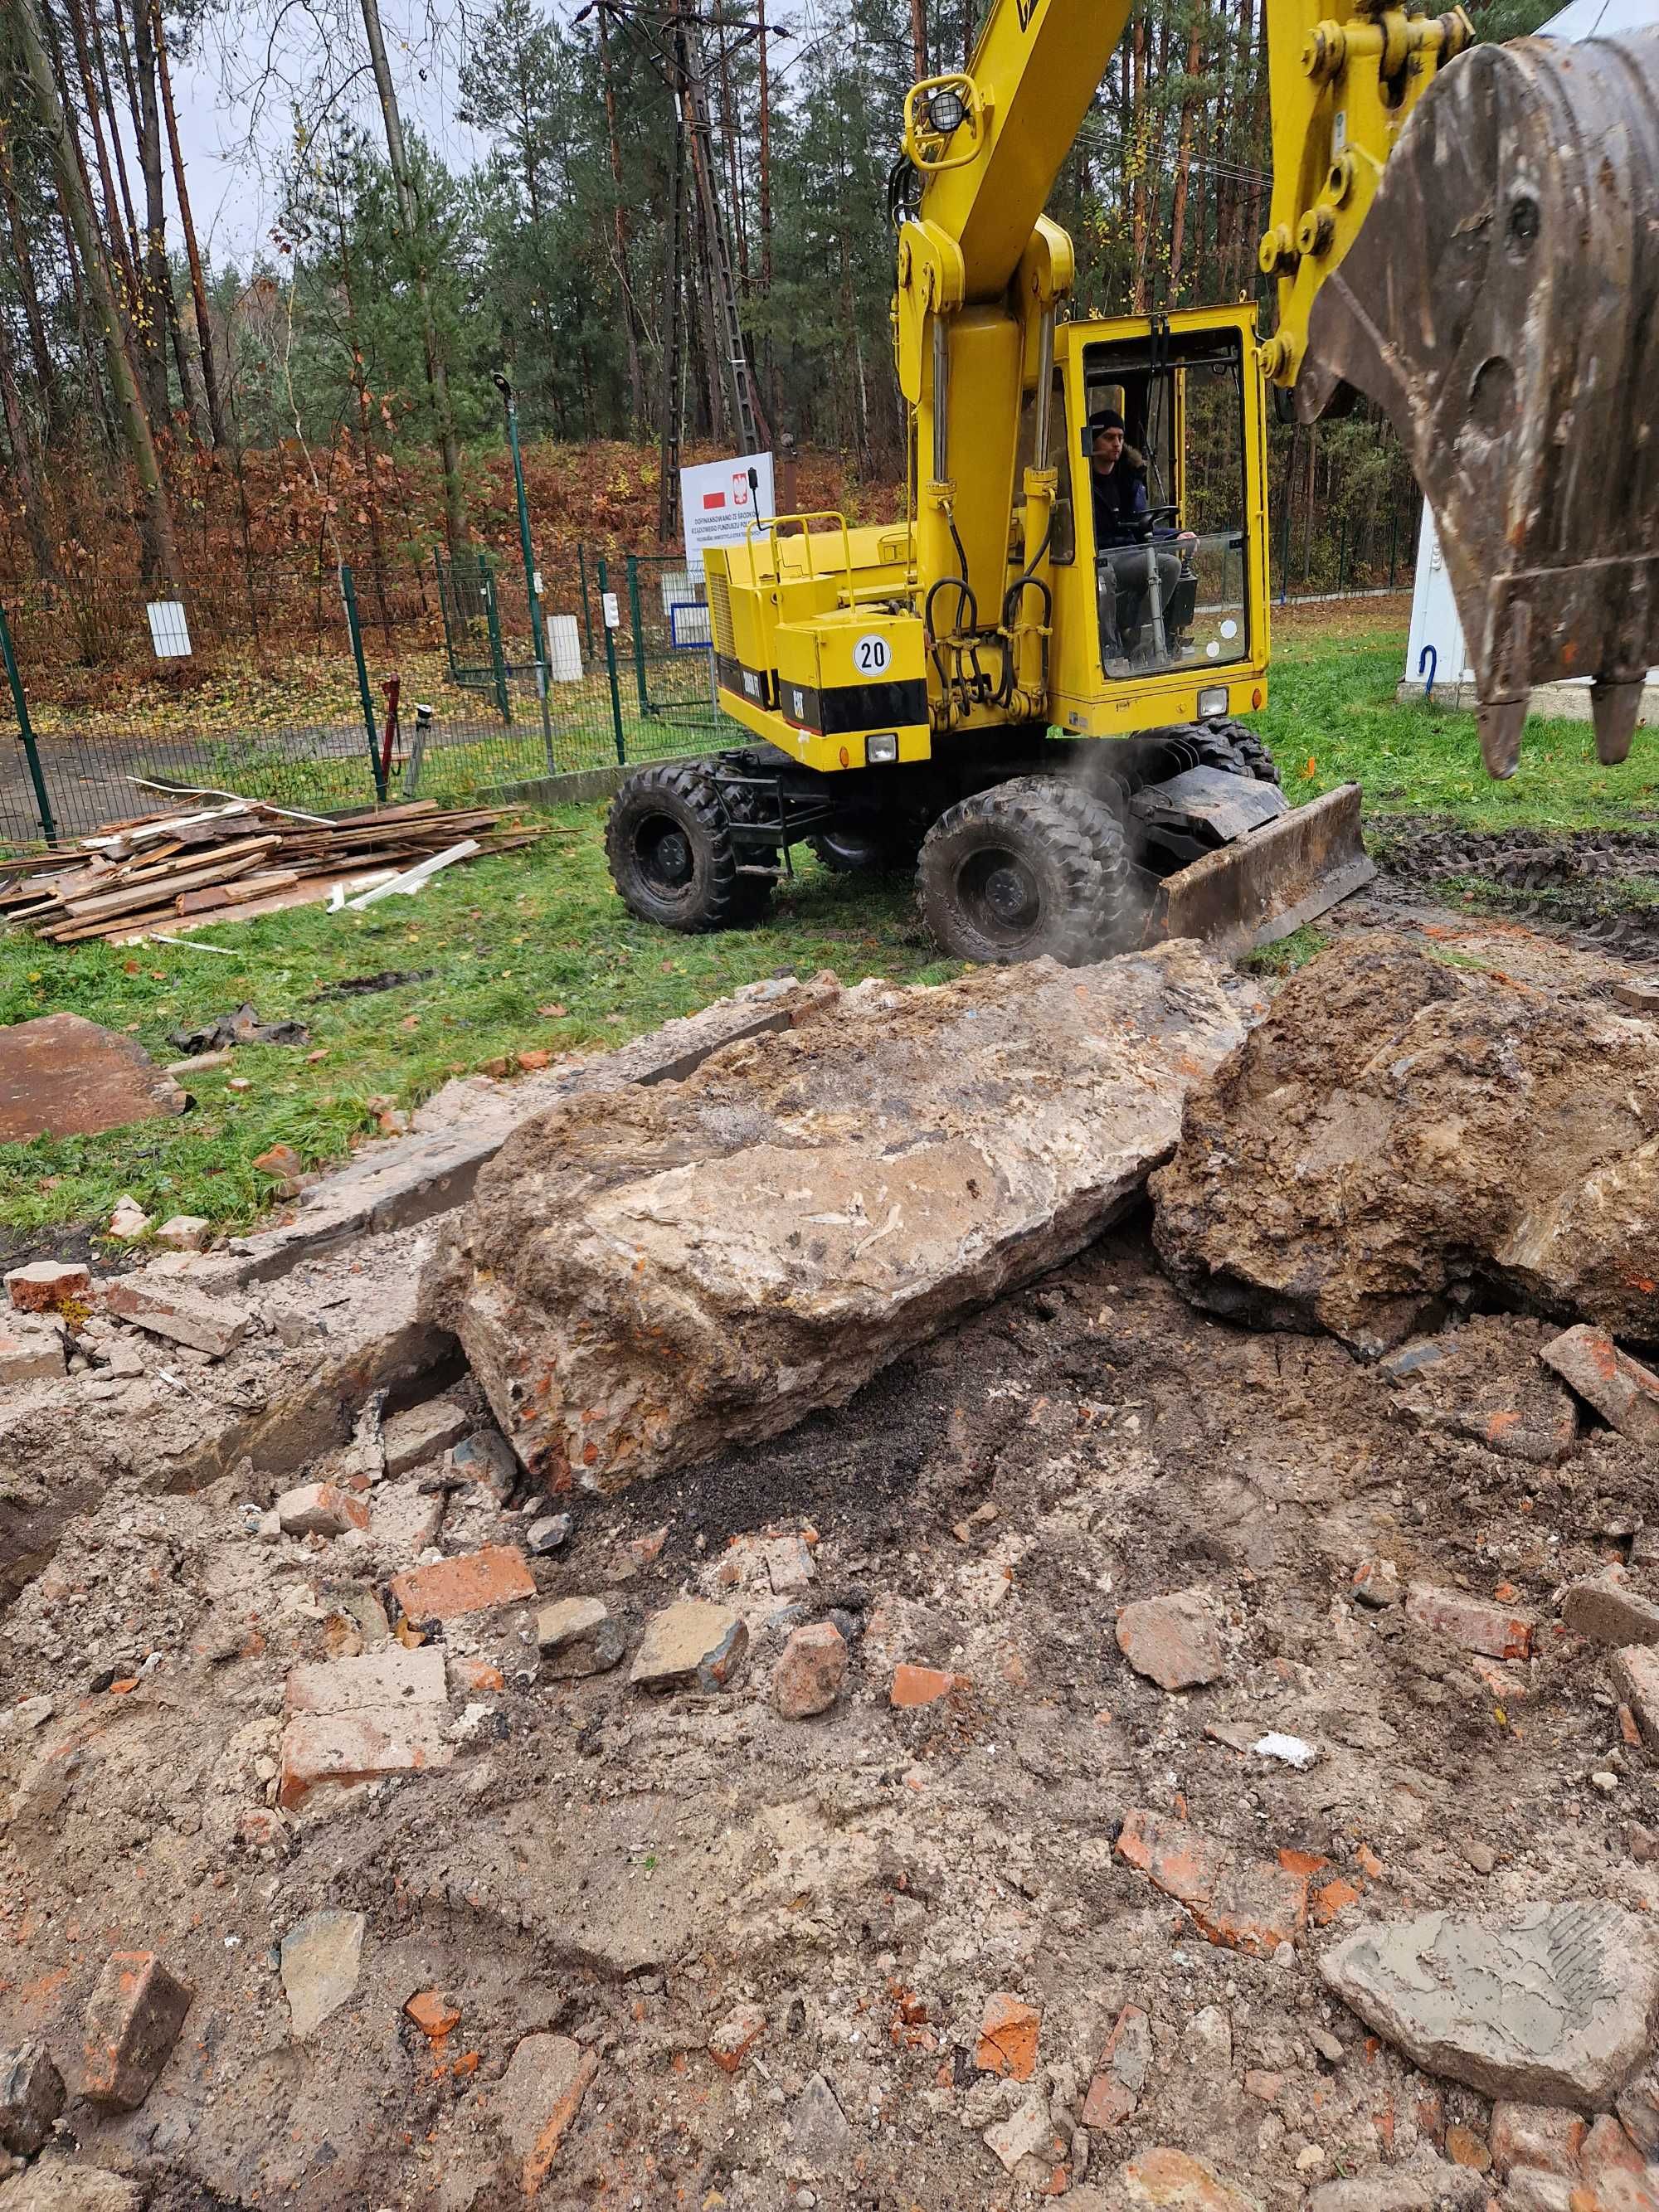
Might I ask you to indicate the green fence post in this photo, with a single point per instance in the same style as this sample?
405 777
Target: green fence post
611 663
639 631
497 650
26 731
349 594
587 611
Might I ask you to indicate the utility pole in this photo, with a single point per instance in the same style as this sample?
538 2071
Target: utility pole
745 415
437 371
672 340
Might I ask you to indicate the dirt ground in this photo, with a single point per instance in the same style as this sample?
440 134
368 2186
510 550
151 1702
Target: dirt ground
660 1883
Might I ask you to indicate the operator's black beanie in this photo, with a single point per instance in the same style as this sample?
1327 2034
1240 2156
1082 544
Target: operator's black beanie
1108 419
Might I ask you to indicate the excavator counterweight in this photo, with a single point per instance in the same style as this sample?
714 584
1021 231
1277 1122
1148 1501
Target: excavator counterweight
1516 348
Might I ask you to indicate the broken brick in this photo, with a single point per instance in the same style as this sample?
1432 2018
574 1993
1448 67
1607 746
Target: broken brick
1108 2104
1008 2037
433 2012
1172 1640
1335 1897
919 1686
1260 2083
32 1355
810 1672
133 2020
1636 1679
1255 1907
735 2037
476 1582
538 2097
321 1509
1164 2179
1465 2147
1624 1392
1494 1631
389 1678
341 1748
48 1286
162 1305
1606 1609
185 1233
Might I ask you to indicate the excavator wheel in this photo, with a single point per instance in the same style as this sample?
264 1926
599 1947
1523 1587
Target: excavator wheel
1031 867
1248 748
668 840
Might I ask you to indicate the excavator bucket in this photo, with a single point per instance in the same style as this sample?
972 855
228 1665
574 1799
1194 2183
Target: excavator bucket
1501 304
1268 880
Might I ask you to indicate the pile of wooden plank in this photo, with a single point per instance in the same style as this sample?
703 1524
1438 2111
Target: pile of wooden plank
132 875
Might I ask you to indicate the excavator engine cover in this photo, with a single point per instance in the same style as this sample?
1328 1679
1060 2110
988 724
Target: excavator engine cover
1501 304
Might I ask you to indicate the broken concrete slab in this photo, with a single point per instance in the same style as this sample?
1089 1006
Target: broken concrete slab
388 1678
694 1643
31 1353
1547 2005
63 1076
321 1961
1624 1392
1394 1129
163 1305
422 1433
1609 1609
905 1156
1481 1380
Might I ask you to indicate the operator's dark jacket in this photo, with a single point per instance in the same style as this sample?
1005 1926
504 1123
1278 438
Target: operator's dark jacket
1120 499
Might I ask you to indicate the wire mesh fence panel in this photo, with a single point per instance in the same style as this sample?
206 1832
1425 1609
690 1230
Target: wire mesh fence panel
666 647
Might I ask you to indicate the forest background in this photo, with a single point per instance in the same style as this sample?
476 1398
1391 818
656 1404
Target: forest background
225 426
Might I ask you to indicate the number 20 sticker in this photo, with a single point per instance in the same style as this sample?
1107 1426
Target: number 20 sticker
871 654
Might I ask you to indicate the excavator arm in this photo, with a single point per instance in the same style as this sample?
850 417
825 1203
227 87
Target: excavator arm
1475 248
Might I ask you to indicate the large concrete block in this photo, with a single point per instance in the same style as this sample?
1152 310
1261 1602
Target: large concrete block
643 1279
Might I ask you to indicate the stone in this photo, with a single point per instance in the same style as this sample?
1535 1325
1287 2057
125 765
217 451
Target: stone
1172 1640
128 1220
1128 2056
810 1670
1163 2179
375 1681
45 1286
1423 2183
403 1518
1481 1381
433 2012
57 2183
1496 1632
1251 1905
31 1354
133 2020
579 1636
1607 1609
63 1076
166 1308
1549 2004
1003 1119
695 1643
1465 2147
1637 2107
1259 2082
919 1686
1028 2132
551 1532
1531 2191
1361 1155
1008 2032
788 1564
32 2096
1636 1679
1377 1583
485 1457
343 1749
1640 994
322 1957
540 2094
476 1582
820 2139
1624 1392
1542 2136
1615 2175
321 1509
185 1233
422 1433
735 2037
281 1162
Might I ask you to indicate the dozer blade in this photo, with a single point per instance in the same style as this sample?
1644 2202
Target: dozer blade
1501 304
1267 883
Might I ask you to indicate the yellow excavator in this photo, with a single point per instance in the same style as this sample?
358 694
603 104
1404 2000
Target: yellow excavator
1031 687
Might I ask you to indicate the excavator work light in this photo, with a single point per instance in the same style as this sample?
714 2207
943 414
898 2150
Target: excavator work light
947 109
1212 701
884 746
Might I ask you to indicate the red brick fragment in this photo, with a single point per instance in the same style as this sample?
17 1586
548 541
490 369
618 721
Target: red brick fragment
1252 1905
735 2037
434 2013
1008 2035
476 1582
133 2020
919 1686
1494 1631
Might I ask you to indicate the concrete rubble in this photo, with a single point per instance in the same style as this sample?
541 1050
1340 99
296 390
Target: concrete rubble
1116 1759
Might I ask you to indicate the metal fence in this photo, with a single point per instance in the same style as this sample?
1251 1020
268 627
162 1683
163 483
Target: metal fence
608 662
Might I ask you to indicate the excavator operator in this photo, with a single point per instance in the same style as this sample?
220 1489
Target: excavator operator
1132 569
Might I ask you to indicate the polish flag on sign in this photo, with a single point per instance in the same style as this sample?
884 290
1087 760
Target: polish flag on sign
713 498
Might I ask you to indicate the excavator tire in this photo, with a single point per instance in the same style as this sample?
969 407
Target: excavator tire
1251 754
1029 867
668 842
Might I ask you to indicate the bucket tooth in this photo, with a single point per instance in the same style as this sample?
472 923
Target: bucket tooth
1615 702
1500 724
1516 349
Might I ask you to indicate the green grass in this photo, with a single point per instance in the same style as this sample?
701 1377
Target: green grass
510 939
1332 719
507 939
